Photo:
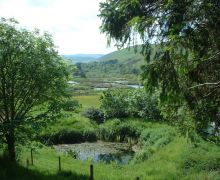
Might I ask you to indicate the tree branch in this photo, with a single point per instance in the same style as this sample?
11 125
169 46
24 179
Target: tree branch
205 84
211 92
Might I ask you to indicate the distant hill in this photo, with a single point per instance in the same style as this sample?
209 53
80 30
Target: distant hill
122 63
82 58
123 55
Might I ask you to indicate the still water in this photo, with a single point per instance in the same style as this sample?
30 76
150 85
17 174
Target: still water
98 151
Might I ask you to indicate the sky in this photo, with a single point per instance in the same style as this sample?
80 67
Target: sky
73 24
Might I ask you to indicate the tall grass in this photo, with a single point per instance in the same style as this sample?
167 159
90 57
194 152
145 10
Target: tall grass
169 162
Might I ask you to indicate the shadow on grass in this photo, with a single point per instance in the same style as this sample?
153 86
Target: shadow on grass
14 171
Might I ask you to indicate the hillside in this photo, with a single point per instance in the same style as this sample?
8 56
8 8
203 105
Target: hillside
121 63
123 55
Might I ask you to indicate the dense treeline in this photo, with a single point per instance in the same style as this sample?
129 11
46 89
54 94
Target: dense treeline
109 68
121 63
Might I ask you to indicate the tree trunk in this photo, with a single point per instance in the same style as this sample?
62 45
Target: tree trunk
10 138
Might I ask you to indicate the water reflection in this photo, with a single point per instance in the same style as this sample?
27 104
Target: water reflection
120 158
98 152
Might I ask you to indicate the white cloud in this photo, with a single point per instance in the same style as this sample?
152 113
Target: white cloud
73 23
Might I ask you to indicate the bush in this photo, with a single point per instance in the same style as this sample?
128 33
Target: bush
56 106
71 105
120 103
118 131
126 131
143 105
115 103
95 114
89 135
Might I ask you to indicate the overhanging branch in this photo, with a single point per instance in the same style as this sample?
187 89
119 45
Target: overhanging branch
205 84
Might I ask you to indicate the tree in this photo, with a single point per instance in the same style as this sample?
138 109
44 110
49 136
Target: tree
115 103
184 62
143 105
79 71
120 103
31 73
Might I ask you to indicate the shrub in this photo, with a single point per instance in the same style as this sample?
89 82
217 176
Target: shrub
143 105
118 131
126 131
64 104
71 105
89 135
115 103
121 103
107 131
95 114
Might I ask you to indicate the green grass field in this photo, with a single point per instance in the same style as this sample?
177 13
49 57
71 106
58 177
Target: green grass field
89 101
168 163
178 159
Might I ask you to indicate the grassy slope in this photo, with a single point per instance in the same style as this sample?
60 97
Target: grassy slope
177 160
88 101
75 121
167 163
124 63
124 55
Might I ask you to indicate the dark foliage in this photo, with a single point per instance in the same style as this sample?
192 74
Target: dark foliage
71 105
68 137
14 171
95 114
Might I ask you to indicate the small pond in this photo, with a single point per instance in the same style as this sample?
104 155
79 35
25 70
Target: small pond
98 151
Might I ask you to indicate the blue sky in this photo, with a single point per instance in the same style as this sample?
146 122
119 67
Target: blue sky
73 24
